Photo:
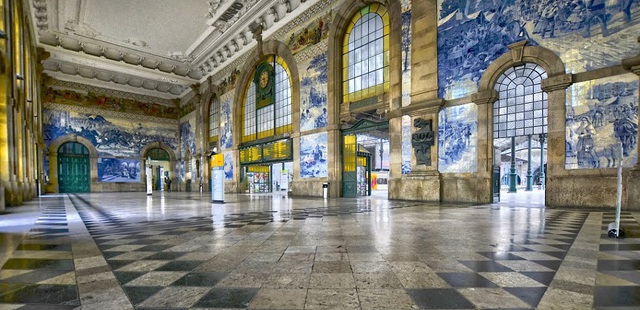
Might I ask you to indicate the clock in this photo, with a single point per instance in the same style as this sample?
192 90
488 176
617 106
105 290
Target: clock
264 79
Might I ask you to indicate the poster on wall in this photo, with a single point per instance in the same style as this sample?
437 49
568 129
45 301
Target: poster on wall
458 139
228 166
118 170
602 115
313 155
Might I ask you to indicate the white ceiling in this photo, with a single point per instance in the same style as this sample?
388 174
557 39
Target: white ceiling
152 47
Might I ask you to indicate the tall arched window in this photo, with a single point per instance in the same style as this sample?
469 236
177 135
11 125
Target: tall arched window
522 107
365 58
273 119
214 119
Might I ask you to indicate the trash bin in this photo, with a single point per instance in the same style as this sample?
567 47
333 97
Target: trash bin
325 190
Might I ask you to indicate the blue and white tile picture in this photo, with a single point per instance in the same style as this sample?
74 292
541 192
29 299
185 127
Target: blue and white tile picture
406 144
118 170
228 166
601 115
313 155
586 35
313 93
226 120
110 136
406 58
458 139
188 135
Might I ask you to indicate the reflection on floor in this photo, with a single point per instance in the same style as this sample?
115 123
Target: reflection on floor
178 251
533 198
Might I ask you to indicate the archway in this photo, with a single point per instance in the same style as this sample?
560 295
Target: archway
74 169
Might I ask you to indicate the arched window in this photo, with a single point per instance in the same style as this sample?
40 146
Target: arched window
365 58
214 119
273 119
522 107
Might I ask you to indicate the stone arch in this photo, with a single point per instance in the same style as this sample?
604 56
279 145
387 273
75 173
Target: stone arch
520 53
334 55
52 185
554 86
271 47
206 121
160 145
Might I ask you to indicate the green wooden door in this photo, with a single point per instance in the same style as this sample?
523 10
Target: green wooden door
74 172
349 165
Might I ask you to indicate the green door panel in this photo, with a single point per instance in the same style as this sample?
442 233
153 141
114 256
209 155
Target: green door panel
74 172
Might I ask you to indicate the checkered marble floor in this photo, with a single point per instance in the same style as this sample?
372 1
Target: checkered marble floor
178 251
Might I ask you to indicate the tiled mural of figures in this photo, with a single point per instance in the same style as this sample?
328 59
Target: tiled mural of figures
458 139
406 144
188 135
313 93
312 34
406 58
313 155
118 170
585 34
226 123
228 166
601 114
111 136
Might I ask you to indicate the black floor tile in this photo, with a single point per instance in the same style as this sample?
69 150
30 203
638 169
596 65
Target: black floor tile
619 265
154 248
46 307
485 266
179 266
466 279
620 247
108 255
117 264
125 277
551 264
439 298
34 276
40 264
559 254
138 294
530 295
44 247
200 279
500 256
540 276
45 294
166 256
227 298
617 296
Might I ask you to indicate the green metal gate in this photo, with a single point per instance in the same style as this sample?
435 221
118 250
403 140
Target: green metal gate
74 170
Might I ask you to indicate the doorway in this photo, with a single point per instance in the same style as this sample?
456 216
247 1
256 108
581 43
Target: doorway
269 178
74 169
519 136
366 159
160 163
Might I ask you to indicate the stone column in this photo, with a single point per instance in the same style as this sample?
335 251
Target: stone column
424 50
529 174
632 179
542 174
485 101
513 176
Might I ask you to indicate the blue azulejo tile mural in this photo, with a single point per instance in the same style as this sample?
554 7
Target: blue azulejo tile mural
226 123
585 34
458 139
111 136
406 58
228 166
118 170
406 144
602 116
188 135
313 93
313 155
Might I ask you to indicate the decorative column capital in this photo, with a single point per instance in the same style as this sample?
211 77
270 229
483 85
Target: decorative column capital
558 82
632 64
485 97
